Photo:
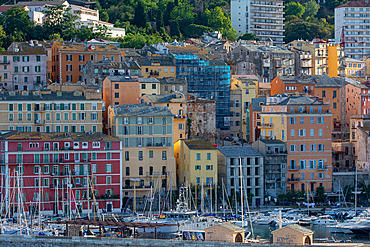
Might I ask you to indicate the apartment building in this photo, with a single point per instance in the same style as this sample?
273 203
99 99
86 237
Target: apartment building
196 162
263 60
352 23
147 134
358 121
176 103
343 160
68 59
62 172
172 84
355 68
242 167
255 119
321 86
207 77
357 99
265 19
202 118
241 95
157 66
274 154
51 111
22 67
94 72
149 86
305 124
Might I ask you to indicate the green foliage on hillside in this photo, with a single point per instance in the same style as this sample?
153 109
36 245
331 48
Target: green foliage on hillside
306 19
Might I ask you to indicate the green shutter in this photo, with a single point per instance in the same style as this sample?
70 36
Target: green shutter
105 168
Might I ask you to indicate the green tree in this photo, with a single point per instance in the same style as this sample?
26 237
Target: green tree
59 20
216 19
55 36
140 15
311 9
16 24
175 29
294 8
183 14
194 30
249 36
281 198
167 13
104 16
320 194
159 19
304 30
230 34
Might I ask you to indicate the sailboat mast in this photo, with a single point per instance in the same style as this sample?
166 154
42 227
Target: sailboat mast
223 197
215 198
39 197
356 191
88 194
241 185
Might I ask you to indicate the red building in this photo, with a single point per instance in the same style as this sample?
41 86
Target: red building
64 168
358 99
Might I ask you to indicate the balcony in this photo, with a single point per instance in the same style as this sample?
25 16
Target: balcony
275 161
39 122
280 152
158 145
156 174
154 73
322 168
270 181
267 125
293 168
180 116
5 62
293 179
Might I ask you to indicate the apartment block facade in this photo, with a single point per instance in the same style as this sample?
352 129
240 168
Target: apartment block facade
22 67
62 172
242 167
147 135
68 59
352 23
274 154
321 86
51 111
265 19
305 125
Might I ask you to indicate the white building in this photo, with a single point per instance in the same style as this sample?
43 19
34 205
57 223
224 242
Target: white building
262 18
353 18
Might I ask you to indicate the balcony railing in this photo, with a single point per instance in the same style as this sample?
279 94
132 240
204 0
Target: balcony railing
39 122
293 179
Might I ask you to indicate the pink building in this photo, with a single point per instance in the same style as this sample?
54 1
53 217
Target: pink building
64 168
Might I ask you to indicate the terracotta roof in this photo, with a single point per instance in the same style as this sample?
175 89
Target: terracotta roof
354 4
79 47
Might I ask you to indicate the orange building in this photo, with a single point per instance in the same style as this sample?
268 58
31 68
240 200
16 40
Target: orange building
69 58
304 123
358 99
321 86
118 90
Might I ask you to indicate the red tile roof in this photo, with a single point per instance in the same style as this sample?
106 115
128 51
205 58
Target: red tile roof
354 4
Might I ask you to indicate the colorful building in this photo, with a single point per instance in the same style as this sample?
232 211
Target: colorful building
157 66
355 68
68 59
255 119
358 99
322 86
61 172
305 124
147 135
176 103
196 162
51 110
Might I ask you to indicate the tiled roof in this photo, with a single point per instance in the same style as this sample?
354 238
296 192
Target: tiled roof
300 100
256 103
164 98
25 49
52 96
355 4
318 80
162 60
266 48
298 228
79 47
230 226
238 151
140 110
83 136
120 78
148 80
199 145
171 80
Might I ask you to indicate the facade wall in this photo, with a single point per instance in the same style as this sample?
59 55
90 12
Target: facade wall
202 119
152 88
55 163
158 71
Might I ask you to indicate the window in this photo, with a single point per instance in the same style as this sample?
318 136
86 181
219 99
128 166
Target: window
301 120
283 134
57 116
11 107
302 147
94 116
302 164
82 106
292 132
164 155
11 117
154 86
20 117
109 156
108 168
140 155
150 154
320 120
81 58
292 120
109 180
127 171
312 132
69 57
320 147
321 164
150 120
20 107
143 86
312 164
116 95
320 132
313 147
127 155
208 156
321 175
292 148
209 167
69 77
302 132
198 168
198 156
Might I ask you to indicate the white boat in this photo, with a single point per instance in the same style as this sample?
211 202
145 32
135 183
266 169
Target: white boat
346 226
324 220
264 221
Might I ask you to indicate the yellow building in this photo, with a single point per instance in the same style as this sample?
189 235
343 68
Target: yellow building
157 66
176 103
355 68
147 145
196 162
241 95
149 86
333 60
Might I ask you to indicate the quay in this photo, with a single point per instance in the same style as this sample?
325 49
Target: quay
56 241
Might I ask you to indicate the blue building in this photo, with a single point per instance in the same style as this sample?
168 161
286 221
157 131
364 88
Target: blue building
207 77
